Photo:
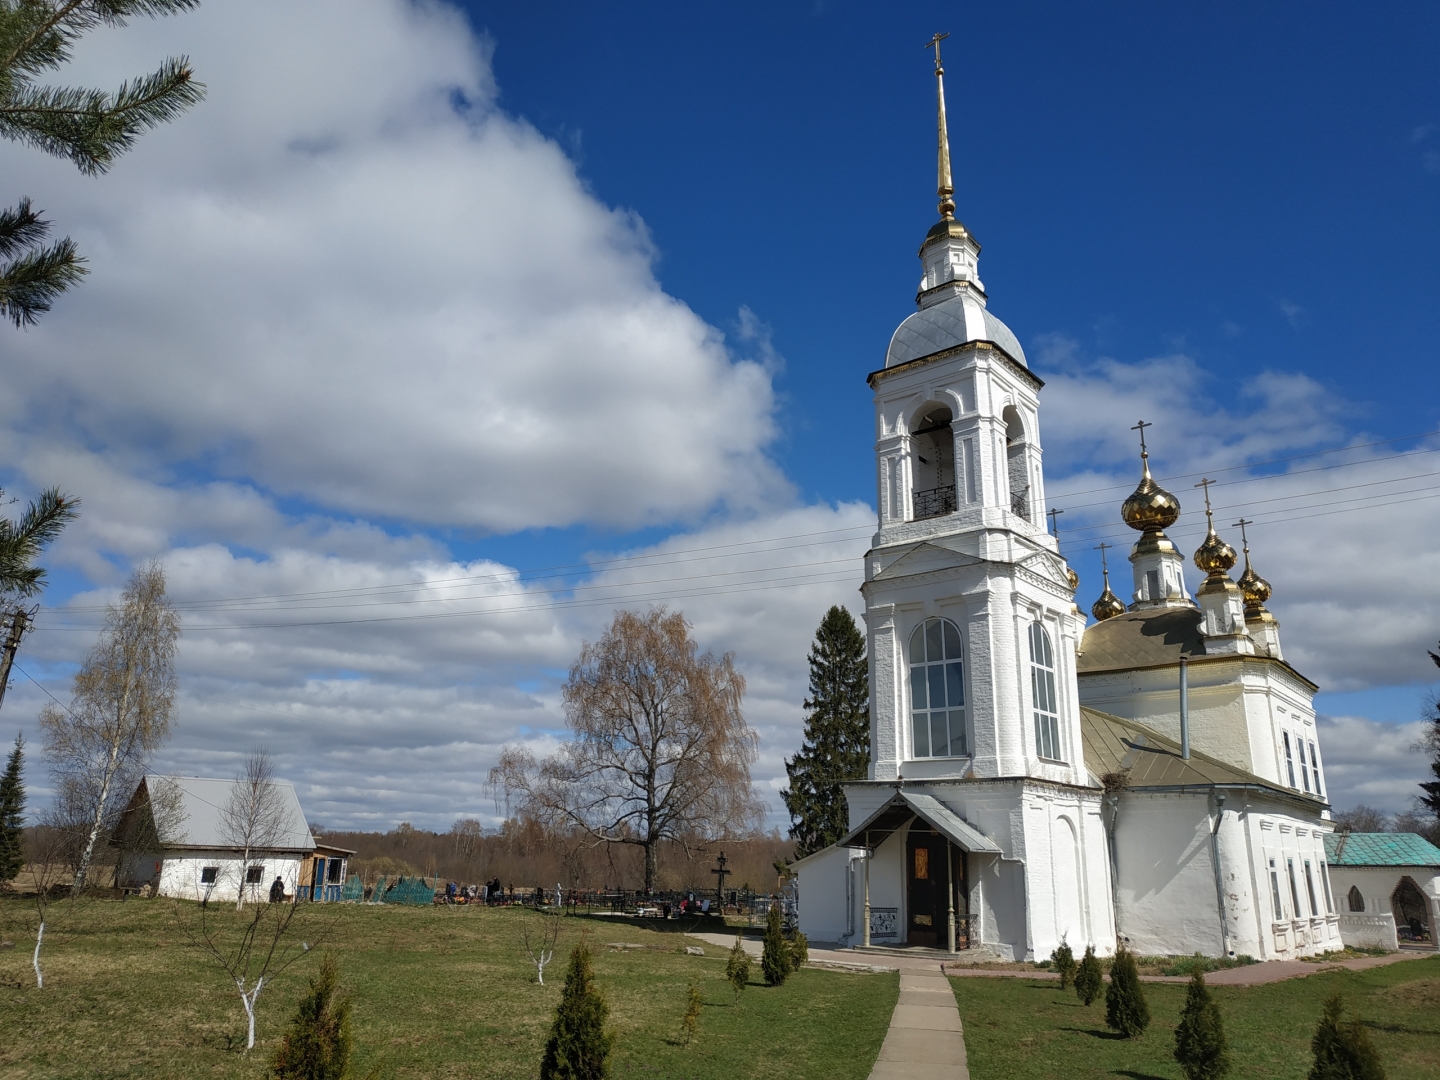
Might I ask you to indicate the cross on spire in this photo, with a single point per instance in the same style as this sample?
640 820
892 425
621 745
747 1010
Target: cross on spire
944 186
1205 483
1104 564
934 43
1140 427
1052 514
1244 540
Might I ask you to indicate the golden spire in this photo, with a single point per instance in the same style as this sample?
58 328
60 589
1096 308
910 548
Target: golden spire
1255 588
1214 555
945 187
1109 605
1150 508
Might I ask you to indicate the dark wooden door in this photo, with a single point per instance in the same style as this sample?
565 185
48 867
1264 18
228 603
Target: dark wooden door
925 869
928 903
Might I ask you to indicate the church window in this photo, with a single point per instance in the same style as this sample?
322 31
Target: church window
1152 583
1289 761
1275 893
1310 890
1294 888
1357 901
1042 688
1017 456
933 448
937 690
1304 768
1329 896
1315 765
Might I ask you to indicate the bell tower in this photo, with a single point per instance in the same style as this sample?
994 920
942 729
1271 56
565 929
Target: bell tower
970 608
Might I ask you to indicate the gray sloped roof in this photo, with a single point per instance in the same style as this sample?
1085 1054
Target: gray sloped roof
199 812
1146 638
954 321
904 805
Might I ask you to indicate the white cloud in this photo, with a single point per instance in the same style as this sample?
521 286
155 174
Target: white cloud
1370 762
330 281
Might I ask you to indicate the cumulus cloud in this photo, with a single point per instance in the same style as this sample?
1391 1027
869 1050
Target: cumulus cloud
1370 762
355 281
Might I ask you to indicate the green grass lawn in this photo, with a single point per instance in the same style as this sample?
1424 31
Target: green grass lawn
439 992
1019 1028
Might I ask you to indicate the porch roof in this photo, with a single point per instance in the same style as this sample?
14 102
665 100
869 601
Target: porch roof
904 805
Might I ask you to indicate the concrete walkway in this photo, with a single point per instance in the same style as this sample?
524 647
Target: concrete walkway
925 1037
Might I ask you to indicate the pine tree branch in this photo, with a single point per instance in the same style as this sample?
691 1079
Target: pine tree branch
22 541
29 284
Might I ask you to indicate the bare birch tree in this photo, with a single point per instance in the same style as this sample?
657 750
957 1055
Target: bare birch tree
120 712
660 751
256 817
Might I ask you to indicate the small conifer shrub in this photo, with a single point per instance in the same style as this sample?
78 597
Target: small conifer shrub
799 947
737 969
1200 1046
691 1020
1125 1007
579 1046
776 962
317 1045
1089 979
1343 1050
1062 961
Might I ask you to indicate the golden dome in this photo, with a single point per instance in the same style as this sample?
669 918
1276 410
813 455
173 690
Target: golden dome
1108 606
1214 556
1255 587
1151 508
1072 577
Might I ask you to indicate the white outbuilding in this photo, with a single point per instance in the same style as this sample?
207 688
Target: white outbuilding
175 838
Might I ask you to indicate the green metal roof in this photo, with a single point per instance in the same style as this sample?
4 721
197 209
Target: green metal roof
1380 849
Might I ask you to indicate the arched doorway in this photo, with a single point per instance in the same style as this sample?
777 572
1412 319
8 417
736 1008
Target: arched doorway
1412 913
932 445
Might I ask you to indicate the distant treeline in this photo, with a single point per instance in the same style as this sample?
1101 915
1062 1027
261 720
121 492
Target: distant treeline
523 854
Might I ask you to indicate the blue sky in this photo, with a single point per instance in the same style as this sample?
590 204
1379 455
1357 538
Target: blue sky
458 304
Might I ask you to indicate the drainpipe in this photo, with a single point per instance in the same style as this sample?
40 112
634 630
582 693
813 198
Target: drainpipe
1219 877
868 854
1185 708
1114 800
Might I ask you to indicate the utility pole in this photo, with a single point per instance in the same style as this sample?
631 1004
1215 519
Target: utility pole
12 645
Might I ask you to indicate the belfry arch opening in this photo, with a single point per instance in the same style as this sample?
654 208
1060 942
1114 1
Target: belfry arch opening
1017 462
933 451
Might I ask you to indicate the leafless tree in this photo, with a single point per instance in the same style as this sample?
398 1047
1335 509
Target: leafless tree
660 751
540 942
120 712
253 949
46 850
256 817
466 834
1362 818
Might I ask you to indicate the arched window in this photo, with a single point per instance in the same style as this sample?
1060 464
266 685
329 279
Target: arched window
937 690
933 446
1017 462
1042 687
1357 902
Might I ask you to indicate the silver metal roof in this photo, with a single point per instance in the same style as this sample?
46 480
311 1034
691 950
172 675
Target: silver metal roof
201 803
954 321
902 806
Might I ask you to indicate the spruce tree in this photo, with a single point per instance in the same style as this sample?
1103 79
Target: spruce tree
1430 743
1200 1045
1089 979
1062 960
691 1020
737 969
776 962
837 735
1125 1008
12 814
1343 1050
89 127
579 1046
318 1044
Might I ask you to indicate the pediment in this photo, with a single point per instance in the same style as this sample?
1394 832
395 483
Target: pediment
926 558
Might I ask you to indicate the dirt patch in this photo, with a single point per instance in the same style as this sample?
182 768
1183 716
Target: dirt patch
1422 993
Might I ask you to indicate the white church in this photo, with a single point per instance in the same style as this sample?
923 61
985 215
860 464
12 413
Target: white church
1153 778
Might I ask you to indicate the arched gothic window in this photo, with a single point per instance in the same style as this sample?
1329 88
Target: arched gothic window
1357 902
1042 686
937 690
933 444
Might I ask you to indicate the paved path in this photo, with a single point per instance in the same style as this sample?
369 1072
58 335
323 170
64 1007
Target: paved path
925 1037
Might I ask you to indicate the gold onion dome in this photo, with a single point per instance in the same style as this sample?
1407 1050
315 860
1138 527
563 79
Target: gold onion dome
1150 508
1255 588
1072 577
1108 606
1214 555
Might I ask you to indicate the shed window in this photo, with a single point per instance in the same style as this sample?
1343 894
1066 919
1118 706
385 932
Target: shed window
1042 688
254 875
937 690
208 874
1357 901
332 875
